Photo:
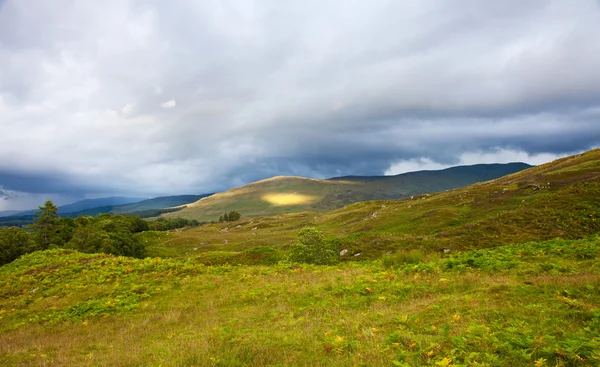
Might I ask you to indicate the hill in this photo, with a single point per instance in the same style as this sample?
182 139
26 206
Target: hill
285 194
157 203
557 199
6 213
94 203
144 208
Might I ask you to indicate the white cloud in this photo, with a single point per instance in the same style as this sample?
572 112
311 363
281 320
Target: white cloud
127 109
471 158
168 104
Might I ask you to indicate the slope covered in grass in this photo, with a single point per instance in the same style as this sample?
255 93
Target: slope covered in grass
558 199
531 304
286 194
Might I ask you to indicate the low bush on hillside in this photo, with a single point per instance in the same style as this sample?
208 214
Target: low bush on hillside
313 248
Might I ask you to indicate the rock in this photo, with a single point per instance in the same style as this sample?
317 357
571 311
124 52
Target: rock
226 241
357 254
255 228
225 230
195 248
343 252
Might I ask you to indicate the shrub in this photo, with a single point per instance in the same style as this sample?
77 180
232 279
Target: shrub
313 248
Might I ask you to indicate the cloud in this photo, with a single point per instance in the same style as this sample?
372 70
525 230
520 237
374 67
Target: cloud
272 88
471 158
127 109
168 104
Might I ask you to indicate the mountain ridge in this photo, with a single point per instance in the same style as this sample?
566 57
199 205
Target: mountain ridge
287 194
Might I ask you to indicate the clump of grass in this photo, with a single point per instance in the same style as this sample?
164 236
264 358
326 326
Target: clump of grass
401 258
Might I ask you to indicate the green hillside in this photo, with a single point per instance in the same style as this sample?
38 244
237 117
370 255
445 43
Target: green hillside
285 194
558 199
527 305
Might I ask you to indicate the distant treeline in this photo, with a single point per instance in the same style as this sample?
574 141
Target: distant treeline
25 220
150 213
105 233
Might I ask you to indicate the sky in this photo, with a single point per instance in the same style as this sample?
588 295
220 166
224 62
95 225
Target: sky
148 98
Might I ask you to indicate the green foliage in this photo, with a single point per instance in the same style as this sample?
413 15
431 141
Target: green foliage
46 225
313 248
165 224
232 216
150 213
533 304
14 242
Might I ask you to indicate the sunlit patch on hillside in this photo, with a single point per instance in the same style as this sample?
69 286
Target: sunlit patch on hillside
288 199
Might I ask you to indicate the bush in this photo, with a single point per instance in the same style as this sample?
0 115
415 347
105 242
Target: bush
313 248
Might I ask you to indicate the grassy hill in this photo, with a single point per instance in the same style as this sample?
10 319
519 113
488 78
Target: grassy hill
285 194
558 199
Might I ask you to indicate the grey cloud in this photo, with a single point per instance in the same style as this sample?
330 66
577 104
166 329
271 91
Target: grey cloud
274 87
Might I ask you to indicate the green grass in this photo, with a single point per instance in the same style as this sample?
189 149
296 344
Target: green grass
524 305
558 199
321 195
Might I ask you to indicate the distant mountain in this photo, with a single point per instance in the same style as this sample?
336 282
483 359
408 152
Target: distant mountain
285 194
94 203
6 213
120 205
158 203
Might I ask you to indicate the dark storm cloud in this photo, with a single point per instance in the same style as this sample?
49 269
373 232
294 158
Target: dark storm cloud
149 97
43 183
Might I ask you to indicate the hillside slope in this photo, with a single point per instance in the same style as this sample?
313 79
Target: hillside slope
557 199
157 203
285 194
527 305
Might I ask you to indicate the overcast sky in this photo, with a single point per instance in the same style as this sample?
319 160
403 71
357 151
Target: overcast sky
147 98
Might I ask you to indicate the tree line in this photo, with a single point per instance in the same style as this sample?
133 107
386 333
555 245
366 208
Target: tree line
105 233
232 216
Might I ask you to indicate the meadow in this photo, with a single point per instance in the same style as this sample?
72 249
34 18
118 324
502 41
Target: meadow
534 304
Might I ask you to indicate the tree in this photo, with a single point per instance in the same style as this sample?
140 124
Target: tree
14 242
92 240
232 216
46 225
313 248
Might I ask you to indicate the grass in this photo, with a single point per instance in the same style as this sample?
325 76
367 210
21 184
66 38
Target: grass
524 305
284 194
558 199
